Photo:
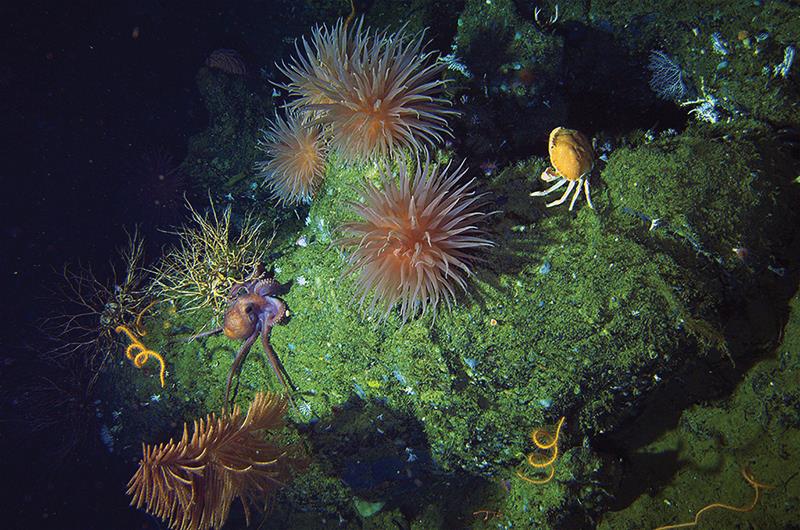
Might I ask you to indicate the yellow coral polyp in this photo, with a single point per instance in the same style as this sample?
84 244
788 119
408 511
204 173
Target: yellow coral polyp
139 359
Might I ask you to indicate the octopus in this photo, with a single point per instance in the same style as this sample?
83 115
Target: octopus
572 159
254 309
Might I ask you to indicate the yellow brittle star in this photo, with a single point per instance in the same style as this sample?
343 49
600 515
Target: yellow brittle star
550 444
757 486
144 354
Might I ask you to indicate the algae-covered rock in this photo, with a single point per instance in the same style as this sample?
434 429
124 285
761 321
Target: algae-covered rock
510 87
703 457
573 319
736 56
366 508
713 192
222 156
582 316
582 319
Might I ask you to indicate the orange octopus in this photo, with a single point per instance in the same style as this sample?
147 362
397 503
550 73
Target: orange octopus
254 309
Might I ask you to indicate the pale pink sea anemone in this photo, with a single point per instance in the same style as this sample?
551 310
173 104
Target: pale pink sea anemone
375 92
416 240
295 166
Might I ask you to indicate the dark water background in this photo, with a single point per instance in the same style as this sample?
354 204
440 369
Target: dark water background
83 102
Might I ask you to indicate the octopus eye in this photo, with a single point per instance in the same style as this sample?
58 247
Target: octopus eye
249 310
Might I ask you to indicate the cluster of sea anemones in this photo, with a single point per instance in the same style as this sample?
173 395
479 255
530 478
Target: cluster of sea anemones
369 96
375 92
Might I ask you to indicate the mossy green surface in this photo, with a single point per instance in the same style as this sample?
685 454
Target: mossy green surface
711 191
513 40
699 461
755 34
511 91
573 314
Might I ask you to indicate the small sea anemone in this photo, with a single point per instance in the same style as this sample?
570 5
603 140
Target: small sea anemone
316 65
376 92
415 239
296 164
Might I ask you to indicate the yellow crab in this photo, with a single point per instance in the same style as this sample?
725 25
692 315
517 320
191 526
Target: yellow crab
572 159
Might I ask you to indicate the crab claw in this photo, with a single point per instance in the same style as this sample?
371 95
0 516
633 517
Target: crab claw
549 175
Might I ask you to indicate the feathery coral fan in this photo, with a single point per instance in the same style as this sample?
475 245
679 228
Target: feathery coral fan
192 483
414 242
296 164
377 92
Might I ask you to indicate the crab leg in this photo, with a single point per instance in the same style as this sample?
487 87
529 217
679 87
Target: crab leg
588 195
563 197
575 197
549 175
549 190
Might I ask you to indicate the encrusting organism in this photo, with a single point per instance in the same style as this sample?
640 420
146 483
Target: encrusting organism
374 92
551 444
572 159
416 238
253 310
210 258
191 483
757 486
296 164
143 355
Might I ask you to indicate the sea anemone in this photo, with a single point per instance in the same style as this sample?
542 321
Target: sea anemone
296 164
316 65
416 238
375 92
